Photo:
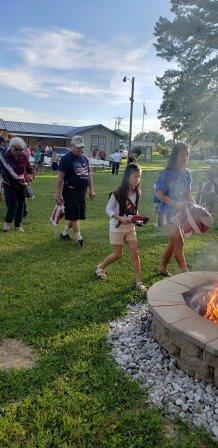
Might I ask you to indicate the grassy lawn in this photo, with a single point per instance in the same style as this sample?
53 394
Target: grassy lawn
76 396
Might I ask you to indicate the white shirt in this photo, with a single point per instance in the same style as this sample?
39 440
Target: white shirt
113 208
116 157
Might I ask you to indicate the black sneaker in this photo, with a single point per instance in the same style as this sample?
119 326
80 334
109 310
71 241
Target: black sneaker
81 243
65 237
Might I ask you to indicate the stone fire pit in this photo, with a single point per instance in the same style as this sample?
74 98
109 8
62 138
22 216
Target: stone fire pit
189 337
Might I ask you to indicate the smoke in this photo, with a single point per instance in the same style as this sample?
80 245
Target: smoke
207 259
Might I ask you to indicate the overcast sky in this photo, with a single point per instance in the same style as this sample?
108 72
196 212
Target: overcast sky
63 61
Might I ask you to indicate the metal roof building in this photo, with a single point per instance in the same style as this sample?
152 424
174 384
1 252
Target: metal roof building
41 129
96 136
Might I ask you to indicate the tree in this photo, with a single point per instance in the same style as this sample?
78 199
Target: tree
151 137
137 151
140 137
169 143
190 95
163 150
123 135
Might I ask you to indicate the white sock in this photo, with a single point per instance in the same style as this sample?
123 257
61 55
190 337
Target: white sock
66 231
78 236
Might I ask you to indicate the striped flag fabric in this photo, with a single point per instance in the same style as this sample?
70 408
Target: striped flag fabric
57 214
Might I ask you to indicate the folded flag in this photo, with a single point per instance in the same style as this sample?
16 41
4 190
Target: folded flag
57 214
138 220
193 218
8 172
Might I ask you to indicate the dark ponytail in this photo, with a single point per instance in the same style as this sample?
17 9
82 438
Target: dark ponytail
130 169
177 148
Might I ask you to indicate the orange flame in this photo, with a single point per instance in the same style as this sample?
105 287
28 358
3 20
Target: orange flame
212 305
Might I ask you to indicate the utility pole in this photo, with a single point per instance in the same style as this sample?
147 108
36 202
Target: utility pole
131 113
119 119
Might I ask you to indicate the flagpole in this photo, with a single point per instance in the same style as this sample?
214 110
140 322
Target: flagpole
143 117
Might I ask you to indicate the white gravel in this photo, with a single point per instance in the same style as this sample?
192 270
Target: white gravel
138 354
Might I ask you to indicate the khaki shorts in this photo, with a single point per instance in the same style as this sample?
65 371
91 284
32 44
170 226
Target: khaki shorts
119 238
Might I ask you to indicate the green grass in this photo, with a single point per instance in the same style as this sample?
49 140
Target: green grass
76 396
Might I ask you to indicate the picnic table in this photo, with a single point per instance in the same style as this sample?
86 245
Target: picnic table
98 164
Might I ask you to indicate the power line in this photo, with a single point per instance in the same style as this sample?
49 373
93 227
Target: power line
117 122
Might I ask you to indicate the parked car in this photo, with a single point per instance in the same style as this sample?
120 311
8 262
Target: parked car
60 150
212 161
47 160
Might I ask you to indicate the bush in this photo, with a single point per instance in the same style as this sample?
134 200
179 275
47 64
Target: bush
137 151
163 150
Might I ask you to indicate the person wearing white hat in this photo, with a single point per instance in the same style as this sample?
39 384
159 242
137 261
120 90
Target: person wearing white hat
74 178
2 150
17 173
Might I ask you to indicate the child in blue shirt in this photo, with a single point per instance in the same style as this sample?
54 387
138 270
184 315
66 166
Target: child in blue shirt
174 191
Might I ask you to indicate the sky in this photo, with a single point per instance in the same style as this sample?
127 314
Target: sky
63 61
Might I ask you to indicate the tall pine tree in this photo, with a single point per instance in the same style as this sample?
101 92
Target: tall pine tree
190 95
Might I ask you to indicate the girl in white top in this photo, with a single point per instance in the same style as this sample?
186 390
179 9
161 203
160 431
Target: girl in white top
122 204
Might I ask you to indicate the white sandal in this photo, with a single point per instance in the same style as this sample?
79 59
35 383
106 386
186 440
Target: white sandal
101 273
141 287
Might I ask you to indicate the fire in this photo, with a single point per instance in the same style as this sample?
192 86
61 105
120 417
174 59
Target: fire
212 305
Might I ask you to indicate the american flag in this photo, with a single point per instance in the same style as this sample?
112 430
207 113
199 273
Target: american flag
81 169
144 109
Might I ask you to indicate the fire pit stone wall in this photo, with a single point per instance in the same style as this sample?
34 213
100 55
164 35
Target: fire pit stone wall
187 336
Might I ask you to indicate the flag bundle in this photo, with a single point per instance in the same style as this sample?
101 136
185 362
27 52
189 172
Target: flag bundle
138 220
193 218
57 214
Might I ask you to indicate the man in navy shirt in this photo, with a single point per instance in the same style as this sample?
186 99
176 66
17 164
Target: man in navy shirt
74 178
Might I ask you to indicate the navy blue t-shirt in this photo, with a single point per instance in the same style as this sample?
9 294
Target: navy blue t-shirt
76 169
174 184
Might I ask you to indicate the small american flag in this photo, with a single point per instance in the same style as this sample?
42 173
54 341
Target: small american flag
57 214
144 109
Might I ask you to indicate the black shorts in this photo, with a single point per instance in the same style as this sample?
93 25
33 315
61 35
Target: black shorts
74 203
54 166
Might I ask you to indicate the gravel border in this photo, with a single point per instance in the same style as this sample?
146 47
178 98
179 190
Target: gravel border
138 354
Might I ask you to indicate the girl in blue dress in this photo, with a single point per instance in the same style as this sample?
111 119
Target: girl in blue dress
174 192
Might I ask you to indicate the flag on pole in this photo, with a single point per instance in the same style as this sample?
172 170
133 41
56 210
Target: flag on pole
143 117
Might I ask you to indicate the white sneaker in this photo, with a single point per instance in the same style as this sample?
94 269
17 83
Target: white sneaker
19 229
6 227
141 287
